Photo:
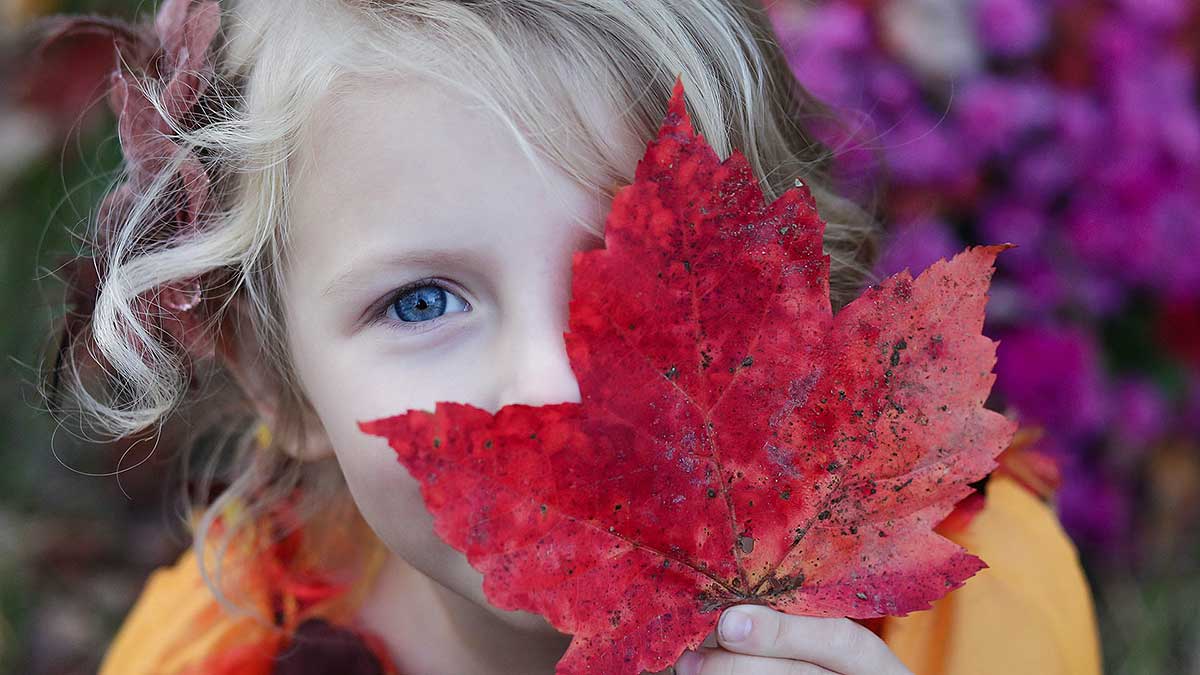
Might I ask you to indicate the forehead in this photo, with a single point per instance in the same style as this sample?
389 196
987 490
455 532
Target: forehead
401 137
405 163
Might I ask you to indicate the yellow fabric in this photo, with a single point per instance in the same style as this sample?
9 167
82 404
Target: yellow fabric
1029 613
177 626
177 623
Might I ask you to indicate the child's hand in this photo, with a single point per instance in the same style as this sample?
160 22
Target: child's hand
773 643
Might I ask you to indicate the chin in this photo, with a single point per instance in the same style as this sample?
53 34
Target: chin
525 622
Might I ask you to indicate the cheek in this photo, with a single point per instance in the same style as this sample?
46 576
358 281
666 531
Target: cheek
342 393
390 501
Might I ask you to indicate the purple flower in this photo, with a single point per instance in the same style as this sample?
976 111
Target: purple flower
1044 172
1160 13
1011 27
1108 237
1081 123
1051 374
1100 295
1174 232
1140 415
1115 46
1040 282
923 149
994 114
891 87
917 245
1095 508
838 25
1154 94
826 49
1180 132
1014 221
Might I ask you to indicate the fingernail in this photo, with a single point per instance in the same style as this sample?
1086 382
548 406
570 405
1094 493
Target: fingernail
735 626
689 663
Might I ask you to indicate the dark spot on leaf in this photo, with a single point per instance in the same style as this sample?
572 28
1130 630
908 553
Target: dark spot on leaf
437 442
746 543
860 595
824 515
617 507
487 443
712 493
543 508
833 466
687 265
749 360
671 373
903 485
786 494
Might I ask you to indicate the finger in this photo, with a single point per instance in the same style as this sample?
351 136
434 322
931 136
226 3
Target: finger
722 662
840 645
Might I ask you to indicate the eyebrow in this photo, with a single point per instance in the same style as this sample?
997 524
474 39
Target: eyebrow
372 264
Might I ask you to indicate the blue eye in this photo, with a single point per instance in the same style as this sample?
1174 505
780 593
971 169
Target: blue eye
423 301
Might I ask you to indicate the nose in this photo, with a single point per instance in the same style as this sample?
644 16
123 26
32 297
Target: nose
538 371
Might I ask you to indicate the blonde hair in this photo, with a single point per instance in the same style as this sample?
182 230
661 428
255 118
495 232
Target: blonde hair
528 61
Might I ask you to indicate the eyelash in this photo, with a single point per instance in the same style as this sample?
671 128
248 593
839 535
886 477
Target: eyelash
412 326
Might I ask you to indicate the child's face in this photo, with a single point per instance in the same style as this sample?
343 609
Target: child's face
406 182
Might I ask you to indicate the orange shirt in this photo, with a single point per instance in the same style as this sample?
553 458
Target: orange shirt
1030 612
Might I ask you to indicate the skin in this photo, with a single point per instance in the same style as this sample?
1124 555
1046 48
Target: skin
404 166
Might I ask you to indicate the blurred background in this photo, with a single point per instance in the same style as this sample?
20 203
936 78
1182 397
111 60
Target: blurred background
1068 127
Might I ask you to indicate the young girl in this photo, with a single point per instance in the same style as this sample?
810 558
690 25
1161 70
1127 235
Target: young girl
337 210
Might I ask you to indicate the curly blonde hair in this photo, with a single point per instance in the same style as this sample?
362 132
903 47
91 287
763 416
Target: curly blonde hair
528 61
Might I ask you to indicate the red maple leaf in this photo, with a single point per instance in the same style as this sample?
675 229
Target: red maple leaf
736 442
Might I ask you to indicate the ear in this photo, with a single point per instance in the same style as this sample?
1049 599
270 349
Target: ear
293 425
